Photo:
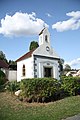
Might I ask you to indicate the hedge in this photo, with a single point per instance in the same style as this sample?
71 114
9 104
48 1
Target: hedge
40 89
70 85
46 89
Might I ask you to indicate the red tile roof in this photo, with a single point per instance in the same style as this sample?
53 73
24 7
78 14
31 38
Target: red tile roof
3 64
27 55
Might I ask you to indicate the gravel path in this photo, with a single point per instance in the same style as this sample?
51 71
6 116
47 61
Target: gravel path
76 117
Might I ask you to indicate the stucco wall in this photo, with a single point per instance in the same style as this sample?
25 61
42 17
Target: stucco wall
28 69
12 75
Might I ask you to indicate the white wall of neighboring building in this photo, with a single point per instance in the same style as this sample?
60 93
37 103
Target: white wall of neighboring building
29 72
12 75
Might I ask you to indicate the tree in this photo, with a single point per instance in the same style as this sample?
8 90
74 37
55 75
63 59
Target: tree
33 45
12 65
61 62
3 57
67 67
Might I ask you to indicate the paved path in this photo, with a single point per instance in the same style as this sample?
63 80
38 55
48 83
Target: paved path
76 117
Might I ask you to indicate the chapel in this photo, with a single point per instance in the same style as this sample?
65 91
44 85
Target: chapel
40 62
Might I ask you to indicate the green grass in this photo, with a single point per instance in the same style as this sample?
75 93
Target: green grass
12 109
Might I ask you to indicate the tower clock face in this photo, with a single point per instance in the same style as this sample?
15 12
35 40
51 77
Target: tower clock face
47 48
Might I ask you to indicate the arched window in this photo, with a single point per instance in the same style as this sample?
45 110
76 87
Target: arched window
23 70
46 38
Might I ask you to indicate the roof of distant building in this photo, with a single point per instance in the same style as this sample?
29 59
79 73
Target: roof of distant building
3 64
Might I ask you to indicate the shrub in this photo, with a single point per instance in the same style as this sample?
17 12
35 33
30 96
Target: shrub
40 89
13 86
2 78
2 74
70 85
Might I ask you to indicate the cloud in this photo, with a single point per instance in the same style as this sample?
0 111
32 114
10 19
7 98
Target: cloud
71 24
74 63
48 15
21 24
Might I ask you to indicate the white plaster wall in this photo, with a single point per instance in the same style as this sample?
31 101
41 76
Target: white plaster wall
28 67
43 62
12 75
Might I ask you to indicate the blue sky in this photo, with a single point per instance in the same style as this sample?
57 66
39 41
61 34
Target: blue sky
22 20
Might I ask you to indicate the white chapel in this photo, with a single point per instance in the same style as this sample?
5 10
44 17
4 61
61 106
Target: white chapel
41 62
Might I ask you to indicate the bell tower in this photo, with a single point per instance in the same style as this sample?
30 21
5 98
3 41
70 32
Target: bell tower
44 37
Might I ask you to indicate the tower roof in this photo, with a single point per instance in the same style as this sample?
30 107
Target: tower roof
41 31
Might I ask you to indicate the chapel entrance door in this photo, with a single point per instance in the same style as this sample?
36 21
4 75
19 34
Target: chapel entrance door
47 72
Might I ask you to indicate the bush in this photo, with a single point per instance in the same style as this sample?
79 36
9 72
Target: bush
70 85
2 78
13 86
2 74
40 89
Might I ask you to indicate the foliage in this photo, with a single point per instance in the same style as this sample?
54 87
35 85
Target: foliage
3 57
2 78
11 62
61 62
12 86
67 67
49 89
2 74
40 89
12 65
46 89
33 45
71 85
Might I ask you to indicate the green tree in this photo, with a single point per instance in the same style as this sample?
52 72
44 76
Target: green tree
67 67
61 62
3 57
12 65
11 62
33 45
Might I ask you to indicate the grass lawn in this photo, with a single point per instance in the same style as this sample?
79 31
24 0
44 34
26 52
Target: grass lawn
12 109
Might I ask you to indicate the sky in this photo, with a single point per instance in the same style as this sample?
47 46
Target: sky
22 20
